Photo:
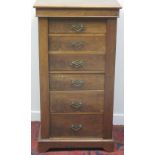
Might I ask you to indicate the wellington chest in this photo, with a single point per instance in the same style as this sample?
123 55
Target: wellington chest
77 41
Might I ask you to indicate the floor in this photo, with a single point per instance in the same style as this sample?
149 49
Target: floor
118 136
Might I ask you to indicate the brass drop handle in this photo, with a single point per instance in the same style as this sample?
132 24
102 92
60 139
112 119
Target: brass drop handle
77 45
76 127
77 64
77 83
77 27
76 105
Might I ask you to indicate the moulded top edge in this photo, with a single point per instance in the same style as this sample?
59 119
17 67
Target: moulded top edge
109 4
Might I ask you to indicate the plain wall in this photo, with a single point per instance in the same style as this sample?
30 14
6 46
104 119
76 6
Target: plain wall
119 70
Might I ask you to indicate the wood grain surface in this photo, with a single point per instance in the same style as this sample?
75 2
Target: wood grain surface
77 61
77 4
109 77
62 125
77 26
76 13
44 78
65 82
90 101
77 42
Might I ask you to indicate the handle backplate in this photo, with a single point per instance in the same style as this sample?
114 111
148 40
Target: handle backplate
76 105
77 27
77 64
77 83
77 45
76 127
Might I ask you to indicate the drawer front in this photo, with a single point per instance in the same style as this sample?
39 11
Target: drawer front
77 43
70 125
76 101
76 82
73 62
77 26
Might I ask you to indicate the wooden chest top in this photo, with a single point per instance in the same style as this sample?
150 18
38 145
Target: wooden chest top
76 4
77 8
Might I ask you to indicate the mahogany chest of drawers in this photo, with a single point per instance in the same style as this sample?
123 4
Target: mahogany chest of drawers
77 42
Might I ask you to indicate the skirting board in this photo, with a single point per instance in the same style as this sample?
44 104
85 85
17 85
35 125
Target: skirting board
118 119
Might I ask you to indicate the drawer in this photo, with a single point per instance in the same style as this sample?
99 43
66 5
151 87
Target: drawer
76 82
77 101
78 125
77 43
77 26
73 62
